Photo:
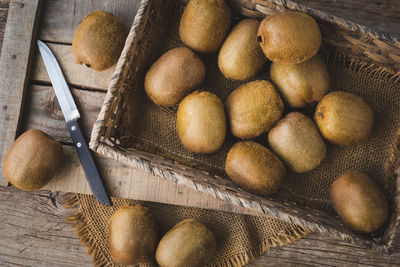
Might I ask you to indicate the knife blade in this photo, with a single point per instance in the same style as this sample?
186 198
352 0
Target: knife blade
71 116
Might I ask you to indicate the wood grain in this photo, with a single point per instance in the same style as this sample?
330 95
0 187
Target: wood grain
76 75
61 28
381 15
43 112
3 18
15 69
34 233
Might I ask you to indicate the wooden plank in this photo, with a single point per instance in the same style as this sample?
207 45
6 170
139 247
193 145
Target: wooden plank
59 28
43 112
34 233
15 68
381 15
75 74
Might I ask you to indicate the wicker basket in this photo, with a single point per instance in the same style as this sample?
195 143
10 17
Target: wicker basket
358 48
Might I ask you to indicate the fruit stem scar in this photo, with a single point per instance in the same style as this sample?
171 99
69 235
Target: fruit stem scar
320 112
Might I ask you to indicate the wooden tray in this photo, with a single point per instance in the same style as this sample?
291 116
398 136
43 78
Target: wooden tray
151 22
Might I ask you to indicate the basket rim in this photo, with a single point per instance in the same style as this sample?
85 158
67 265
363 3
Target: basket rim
147 166
117 76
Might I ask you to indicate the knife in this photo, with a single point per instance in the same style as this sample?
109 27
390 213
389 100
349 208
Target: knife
71 116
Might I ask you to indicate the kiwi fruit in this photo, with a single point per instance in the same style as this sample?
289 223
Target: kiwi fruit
32 160
253 108
175 74
99 40
344 118
254 168
289 37
240 57
188 243
201 122
303 83
132 237
360 202
204 25
297 141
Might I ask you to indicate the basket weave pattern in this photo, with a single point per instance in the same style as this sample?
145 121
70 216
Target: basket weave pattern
128 131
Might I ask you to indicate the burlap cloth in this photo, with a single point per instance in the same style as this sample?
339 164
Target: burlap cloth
240 238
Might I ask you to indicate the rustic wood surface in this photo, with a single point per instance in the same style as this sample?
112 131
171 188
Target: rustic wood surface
33 231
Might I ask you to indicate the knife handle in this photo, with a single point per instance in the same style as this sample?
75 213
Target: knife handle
88 165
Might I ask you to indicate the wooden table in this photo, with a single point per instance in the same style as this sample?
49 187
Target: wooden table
32 227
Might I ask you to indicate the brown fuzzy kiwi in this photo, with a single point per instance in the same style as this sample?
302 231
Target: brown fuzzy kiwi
241 57
253 108
296 140
289 37
174 75
303 83
204 25
344 118
132 236
254 168
201 122
360 202
99 40
32 160
188 243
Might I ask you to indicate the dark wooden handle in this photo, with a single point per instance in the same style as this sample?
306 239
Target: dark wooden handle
88 165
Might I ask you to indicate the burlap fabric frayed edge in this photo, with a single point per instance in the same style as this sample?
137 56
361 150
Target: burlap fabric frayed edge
80 223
